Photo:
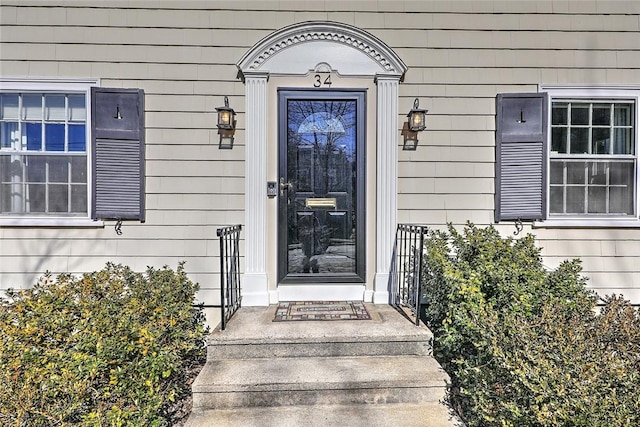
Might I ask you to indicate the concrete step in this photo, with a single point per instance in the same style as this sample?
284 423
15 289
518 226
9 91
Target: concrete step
253 334
431 414
318 381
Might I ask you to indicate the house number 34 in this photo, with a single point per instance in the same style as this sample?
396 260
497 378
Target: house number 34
322 80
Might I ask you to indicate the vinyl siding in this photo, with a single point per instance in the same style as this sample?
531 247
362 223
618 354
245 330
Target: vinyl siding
183 54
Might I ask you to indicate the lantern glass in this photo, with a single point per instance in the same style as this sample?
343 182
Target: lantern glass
416 121
224 119
225 115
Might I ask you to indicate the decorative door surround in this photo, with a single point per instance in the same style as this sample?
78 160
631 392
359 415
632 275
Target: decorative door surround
294 51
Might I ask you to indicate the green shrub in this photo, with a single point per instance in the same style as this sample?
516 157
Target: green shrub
111 348
523 345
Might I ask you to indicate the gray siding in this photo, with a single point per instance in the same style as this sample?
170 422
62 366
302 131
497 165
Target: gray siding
183 54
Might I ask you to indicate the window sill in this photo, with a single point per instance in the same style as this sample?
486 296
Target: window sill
49 222
587 223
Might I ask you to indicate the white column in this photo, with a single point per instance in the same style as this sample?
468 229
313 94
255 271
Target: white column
255 287
387 182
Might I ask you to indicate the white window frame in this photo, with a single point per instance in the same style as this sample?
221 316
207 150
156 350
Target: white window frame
589 93
26 85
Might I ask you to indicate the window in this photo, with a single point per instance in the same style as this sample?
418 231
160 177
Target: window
70 152
592 158
568 156
43 155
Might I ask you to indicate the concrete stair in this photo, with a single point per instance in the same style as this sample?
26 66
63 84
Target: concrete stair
376 372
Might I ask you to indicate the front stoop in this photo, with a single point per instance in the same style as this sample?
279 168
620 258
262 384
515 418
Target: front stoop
376 372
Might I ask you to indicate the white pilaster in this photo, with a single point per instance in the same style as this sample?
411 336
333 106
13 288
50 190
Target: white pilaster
386 183
255 287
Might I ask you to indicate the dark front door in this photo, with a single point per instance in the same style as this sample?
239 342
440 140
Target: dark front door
322 182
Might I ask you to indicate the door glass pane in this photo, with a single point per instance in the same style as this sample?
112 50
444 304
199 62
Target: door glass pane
321 167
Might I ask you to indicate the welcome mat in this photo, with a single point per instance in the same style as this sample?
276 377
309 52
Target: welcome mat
321 310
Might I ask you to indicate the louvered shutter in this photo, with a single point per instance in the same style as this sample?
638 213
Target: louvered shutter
117 119
521 151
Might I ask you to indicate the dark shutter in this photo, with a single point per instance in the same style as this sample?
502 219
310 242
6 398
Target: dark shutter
521 147
117 120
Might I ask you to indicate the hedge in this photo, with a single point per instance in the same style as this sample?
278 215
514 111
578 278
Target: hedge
110 348
524 345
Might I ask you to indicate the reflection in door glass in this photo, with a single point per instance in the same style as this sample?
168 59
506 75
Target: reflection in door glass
321 165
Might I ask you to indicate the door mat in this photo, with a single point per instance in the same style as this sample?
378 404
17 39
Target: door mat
321 310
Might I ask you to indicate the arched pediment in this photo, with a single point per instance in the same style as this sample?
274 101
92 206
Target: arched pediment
300 48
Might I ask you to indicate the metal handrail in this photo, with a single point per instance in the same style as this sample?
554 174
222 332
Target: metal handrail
230 297
406 268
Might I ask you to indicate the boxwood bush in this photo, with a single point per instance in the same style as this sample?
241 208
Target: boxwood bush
110 348
526 346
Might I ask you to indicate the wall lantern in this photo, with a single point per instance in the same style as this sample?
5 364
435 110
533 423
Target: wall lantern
416 123
417 117
226 116
226 125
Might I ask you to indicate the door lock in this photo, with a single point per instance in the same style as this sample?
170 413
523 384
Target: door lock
285 186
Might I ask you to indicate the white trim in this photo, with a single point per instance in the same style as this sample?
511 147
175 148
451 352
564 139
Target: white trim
593 92
387 182
45 85
255 280
293 51
30 221
347 49
587 223
321 292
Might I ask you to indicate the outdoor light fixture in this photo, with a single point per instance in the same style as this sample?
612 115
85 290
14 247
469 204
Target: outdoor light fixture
417 117
416 123
226 125
226 116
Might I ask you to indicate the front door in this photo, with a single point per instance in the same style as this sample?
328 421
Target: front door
321 216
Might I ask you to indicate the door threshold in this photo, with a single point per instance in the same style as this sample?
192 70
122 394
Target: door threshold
328 292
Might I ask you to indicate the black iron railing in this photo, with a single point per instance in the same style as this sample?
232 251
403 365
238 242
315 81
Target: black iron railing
230 297
406 268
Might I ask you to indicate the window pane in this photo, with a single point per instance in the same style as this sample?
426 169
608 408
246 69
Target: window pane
557 173
58 169
37 199
579 114
621 200
600 141
579 140
5 198
32 132
9 107
32 107
77 110
9 168
556 200
58 198
597 173
54 137
622 115
9 135
79 169
601 114
575 199
79 198
623 143
559 114
77 138
621 173
36 168
54 109
597 200
575 172
559 140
